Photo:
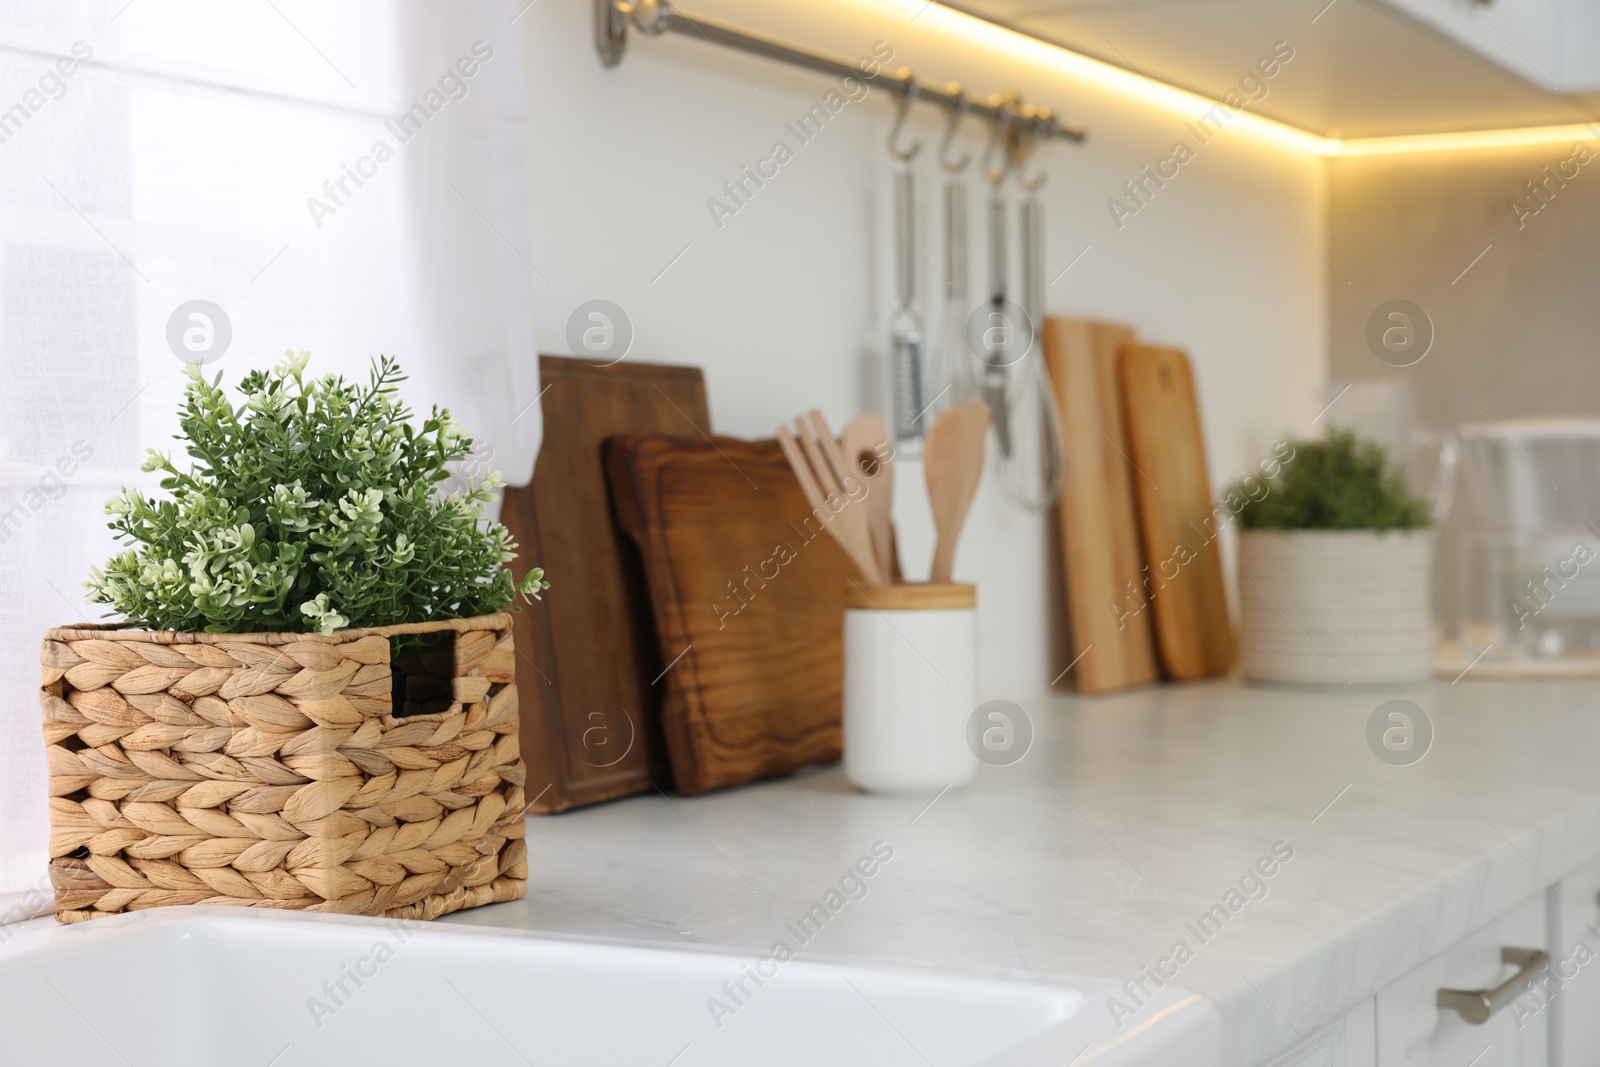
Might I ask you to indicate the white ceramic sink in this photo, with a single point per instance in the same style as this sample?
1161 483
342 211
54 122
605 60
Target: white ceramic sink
205 987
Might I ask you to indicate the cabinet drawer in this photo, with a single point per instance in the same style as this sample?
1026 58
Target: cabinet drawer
1348 1042
1573 1005
1413 1031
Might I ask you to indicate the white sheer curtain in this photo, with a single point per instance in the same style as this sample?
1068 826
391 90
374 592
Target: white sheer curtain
344 177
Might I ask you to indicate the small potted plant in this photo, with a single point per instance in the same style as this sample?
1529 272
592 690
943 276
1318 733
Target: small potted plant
244 736
1334 562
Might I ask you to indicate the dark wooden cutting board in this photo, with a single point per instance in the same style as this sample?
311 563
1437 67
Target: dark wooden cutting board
748 597
591 727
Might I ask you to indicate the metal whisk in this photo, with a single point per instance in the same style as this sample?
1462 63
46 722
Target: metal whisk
1030 473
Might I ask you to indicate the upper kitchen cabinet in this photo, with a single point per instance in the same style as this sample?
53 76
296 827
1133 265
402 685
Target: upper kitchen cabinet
1551 43
1361 68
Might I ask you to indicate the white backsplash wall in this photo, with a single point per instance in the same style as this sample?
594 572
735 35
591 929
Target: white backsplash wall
785 304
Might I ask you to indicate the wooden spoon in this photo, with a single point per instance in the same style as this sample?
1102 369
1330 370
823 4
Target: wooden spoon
952 459
865 445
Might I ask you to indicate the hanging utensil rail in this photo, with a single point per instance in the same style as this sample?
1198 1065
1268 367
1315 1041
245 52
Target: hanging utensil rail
655 17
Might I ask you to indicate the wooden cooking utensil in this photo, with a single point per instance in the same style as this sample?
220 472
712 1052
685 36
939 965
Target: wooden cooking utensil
846 519
1101 555
1187 600
866 448
848 480
952 459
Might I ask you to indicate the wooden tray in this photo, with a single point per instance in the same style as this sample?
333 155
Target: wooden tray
591 724
748 597
1452 664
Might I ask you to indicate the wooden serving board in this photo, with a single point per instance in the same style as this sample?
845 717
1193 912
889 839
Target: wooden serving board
1452 663
748 594
1111 638
1187 600
591 724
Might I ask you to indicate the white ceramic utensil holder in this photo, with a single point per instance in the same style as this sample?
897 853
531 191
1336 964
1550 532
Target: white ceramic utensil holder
910 684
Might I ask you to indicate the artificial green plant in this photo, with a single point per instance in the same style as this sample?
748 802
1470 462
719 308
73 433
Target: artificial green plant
313 506
1338 482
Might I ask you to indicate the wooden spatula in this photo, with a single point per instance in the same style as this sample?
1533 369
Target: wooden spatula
865 445
952 460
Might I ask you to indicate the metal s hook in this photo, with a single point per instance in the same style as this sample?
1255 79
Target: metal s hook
956 112
997 142
1025 142
909 88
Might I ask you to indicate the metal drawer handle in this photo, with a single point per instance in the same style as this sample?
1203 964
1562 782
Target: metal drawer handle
1476 1005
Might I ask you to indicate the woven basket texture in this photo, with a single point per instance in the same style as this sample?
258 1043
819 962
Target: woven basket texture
270 770
1336 607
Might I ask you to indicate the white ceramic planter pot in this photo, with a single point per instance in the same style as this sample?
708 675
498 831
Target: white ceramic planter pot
1333 607
910 685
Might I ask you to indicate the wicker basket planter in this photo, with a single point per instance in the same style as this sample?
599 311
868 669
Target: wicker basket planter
270 770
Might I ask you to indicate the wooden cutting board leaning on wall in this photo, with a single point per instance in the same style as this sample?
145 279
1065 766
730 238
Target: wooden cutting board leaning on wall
1111 638
591 725
748 594
1186 596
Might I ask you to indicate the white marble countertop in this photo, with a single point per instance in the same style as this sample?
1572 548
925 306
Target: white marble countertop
1130 817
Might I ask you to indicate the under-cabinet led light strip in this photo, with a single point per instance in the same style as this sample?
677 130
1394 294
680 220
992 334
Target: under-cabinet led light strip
1467 140
1188 104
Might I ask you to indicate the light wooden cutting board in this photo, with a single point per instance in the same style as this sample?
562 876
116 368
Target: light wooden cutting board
1187 600
1111 638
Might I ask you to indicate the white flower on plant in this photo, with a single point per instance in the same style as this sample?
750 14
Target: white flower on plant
450 431
267 403
289 507
363 506
294 363
326 618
